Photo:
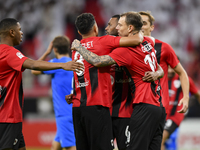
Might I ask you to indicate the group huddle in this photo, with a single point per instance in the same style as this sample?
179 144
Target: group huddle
120 85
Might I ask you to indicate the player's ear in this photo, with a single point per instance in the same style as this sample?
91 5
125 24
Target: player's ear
96 30
12 32
55 50
152 28
130 28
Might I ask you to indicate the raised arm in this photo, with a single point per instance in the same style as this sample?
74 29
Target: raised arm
94 59
43 57
185 87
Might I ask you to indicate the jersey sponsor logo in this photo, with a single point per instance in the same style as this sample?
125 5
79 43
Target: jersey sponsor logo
146 47
123 80
83 84
15 142
117 68
174 103
171 92
20 55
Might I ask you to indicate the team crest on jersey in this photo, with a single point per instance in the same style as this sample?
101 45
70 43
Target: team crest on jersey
146 47
20 55
177 83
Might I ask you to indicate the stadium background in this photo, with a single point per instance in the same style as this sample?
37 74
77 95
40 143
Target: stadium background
177 23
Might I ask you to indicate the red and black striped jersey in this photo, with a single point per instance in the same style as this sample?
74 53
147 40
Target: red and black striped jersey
121 93
93 85
175 95
139 60
165 56
11 92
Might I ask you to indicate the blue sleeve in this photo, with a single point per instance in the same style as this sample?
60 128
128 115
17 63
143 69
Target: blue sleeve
50 71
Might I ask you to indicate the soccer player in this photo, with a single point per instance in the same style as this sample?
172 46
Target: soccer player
174 118
61 85
166 56
121 109
13 63
147 102
92 87
112 24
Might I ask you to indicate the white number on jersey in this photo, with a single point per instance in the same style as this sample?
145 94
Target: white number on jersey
150 59
80 59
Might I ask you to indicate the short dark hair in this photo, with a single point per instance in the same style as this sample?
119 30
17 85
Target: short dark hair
133 18
62 43
116 16
6 24
84 23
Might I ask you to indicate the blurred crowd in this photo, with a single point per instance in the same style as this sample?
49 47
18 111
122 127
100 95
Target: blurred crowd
176 22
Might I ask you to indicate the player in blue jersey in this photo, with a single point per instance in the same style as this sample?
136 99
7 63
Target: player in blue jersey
61 85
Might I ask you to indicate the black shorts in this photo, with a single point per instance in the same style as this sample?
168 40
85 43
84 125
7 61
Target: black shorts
146 127
170 126
11 136
93 128
120 131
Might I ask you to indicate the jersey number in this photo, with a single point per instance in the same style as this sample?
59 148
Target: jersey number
80 59
150 59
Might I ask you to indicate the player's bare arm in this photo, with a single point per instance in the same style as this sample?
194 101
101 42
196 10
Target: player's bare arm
97 61
185 87
133 40
153 76
43 65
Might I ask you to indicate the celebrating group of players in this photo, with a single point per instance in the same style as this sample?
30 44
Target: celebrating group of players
120 85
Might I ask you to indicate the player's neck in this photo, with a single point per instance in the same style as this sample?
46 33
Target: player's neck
93 34
62 55
149 34
6 41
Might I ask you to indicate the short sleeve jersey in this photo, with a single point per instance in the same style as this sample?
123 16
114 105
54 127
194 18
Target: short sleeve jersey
121 93
61 83
11 92
175 95
93 85
139 60
165 56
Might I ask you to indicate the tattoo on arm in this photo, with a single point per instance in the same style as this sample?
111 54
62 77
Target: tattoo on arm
94 59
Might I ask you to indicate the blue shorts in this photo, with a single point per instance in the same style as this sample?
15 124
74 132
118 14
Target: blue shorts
65 131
